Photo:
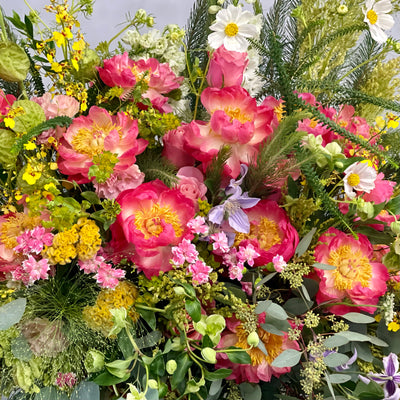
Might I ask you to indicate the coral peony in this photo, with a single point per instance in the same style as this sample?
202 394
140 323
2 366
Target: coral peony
236 121
93 135
260 368
357 276
153 218
270 233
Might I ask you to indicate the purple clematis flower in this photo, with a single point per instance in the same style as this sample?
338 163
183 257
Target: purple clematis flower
232 208
391 377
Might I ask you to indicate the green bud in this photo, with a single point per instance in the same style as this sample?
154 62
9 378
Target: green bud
213 9
253 339
209 355
179 290
192 386
14 63
395 227
119 319
94 361
171 366
365 209
152 384
342 9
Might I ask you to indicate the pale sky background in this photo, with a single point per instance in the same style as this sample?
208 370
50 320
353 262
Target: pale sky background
108 14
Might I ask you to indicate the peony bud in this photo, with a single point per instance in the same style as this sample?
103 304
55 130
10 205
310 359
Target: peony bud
253 339
209 355
94 361
171 366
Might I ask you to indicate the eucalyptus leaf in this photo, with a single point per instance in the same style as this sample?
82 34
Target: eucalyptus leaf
50 393
339 378
272 309
288 358
152 394
266 279
305 243
11 313
334 360
215 387
335 341
359 318
250 391
20 348
272 329
325 267
297 306
86 391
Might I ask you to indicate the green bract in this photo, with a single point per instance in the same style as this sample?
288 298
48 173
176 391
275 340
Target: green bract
7 139
14 63
212 326
31 116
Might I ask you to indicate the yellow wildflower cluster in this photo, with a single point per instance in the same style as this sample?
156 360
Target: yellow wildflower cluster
78 91
82 240
12 113
99 317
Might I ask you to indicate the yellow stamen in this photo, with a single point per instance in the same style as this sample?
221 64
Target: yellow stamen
231 29
372 17
353 180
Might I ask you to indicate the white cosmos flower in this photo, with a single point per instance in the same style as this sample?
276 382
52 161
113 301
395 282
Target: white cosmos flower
359 177
377 18
231 28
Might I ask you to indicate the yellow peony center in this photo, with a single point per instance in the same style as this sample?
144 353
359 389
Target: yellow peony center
151 222
272 343
236 113
351 267
90 141
266 233
313 123
353 179
15 226
372 17
231 29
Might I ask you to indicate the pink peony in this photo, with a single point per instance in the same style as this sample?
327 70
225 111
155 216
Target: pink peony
236 121
357 276
270 233
153 218
260 368
191 184
226 68
6 101
92 135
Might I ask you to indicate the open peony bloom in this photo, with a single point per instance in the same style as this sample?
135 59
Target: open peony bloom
357 276
378 19
153 219
260 368
93 135
236 121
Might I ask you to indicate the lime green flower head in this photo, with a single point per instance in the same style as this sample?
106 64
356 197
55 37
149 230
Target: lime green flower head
212 326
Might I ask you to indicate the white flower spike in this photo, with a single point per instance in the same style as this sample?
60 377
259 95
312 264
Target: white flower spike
378 19
231 28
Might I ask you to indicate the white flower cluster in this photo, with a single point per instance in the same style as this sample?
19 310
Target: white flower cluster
165 46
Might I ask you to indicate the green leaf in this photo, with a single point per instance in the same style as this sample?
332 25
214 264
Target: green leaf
221 373
370 391
125 344
359 318
334 360
250 391
305 243
335 341
14 63
325 267
106 379
193 307
265 279
86 391
183 364
20 348
393 206
272 309
297 306
149 340
157 367
149 316
288 358
7 140
239 357
339 378
11 313
91 197
189 290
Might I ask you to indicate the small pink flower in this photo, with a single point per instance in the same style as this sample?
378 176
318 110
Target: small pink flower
33 241
200 272
35 270
91 266
279 263
247 287
108 277
178 257
66 379
198 225
220 242
236 271
189 250
247 254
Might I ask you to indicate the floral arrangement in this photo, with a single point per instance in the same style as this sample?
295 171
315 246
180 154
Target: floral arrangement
209 213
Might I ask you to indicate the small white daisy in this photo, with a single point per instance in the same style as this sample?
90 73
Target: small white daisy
359 177
377 18
231 28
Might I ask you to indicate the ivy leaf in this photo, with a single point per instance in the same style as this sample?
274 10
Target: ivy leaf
221 373
193 307
238 357
183 364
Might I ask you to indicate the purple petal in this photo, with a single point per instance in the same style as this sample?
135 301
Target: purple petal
394 396
396 379
216 215
247 202
378 378
239 221
390 388
391 364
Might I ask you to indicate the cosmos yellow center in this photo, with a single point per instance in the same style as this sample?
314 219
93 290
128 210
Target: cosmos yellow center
266 233
372 17
272 343
353 179
231 29
351 267
90 141
151 222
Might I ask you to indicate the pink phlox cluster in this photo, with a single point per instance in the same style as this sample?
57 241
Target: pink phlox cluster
220 242
185 251
106 276
247 254
236 271
198 225
31 270
33 240
279 263
235 266
200 272
67 379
